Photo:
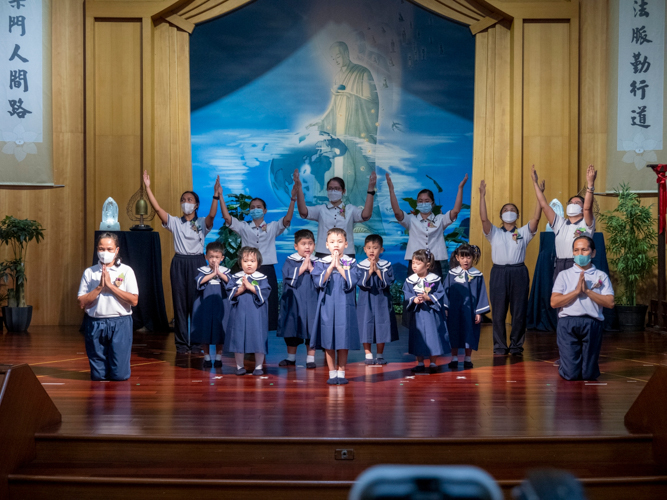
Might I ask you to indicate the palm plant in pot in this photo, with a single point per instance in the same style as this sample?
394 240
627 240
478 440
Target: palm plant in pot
16 234
632 246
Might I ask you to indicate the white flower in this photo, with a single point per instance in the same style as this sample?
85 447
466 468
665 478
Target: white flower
19 142
639 151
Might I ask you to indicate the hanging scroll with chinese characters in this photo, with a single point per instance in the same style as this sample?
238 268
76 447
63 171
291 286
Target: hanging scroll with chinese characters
25 93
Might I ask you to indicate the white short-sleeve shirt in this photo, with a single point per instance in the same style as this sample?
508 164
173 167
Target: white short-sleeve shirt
189 236
566 232
107 305
426 234
596 280
509 247
329 216
262 237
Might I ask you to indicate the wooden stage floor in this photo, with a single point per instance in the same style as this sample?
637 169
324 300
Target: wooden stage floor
170 395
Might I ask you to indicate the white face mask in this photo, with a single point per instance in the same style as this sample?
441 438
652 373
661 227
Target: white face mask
334 195
106 257
509 217
573 209
188 208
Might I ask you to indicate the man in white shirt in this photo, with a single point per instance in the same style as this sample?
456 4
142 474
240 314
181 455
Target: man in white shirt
580 293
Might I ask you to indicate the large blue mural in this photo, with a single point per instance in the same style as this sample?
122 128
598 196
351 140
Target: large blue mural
333 88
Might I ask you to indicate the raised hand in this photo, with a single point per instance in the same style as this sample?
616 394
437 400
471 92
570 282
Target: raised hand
248 286
533 175
372 180
581 284
107 277
217 188
591 175
482 188
103 278
294 192
390 183
463 182
296 178
147 179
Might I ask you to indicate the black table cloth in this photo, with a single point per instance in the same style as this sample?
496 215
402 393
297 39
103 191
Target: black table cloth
141 251
540 314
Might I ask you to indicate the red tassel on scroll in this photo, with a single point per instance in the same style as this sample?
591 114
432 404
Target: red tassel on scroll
661 171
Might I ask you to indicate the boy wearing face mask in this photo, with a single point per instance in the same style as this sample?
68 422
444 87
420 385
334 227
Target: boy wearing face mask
262 235
107 293
580 293
189 235
510 283
579 220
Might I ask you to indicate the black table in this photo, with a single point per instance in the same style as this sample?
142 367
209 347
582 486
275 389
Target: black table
141 251
540 314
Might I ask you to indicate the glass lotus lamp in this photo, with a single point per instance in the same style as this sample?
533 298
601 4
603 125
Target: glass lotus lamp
140 210
110 216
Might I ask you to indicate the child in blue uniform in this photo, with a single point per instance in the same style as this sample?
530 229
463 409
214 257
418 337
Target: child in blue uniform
211 307
335 327
375 311
465 301
248 325
299 300
424 298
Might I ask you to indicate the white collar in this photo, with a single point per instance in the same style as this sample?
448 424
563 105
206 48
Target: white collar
297 258
430 277
577 270
366 264
473 271
208 270
331 205
431 217
255 226
256 275
328 258
113 266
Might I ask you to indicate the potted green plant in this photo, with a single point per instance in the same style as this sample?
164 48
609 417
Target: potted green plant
239 208
16 234
631 243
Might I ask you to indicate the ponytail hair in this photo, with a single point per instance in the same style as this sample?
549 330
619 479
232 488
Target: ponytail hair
111 236
465 250
426 257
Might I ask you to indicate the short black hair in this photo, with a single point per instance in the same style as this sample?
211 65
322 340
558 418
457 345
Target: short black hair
428 192
374 238
303 234
251 250
337 230
338 180
591 243
113 237
215 246
576 196
260 200
510 204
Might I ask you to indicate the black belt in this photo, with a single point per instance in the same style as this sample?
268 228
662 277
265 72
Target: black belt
520 264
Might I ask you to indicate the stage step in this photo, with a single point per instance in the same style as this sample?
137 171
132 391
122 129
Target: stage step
23 486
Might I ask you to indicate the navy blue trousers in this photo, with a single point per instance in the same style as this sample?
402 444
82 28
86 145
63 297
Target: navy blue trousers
508 288
183 274
579 341
109 346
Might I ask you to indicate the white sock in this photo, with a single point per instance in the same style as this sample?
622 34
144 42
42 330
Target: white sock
467 358
369 355
310 359
433 364
207 357
238 357
379 356
218 357
455 358
341 373
333 373
291 357
259 360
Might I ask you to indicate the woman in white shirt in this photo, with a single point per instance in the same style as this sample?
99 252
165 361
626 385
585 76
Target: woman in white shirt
107 293
262 235
426 229
335 213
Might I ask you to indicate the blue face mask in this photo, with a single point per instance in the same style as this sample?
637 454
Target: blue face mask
582 260
424 208
256 213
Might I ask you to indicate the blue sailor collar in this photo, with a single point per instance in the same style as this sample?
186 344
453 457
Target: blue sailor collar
328 258
510 231
208 270
366 264
297 258
256 275
430 277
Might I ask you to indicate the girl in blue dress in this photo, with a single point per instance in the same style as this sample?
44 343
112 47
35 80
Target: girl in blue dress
211 308
424 298
248 325
466 301
335 328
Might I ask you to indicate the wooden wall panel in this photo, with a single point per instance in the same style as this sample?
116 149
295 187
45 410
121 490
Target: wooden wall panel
54 267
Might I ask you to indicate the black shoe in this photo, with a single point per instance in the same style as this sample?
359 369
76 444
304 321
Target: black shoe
195 349
182 349
467 365
311 365
433 369
369 361
418 369
241 371
517 354
218 363
380 361
207 364
333 381
453 365
287 362
257 372
343 381
501 353
557 362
